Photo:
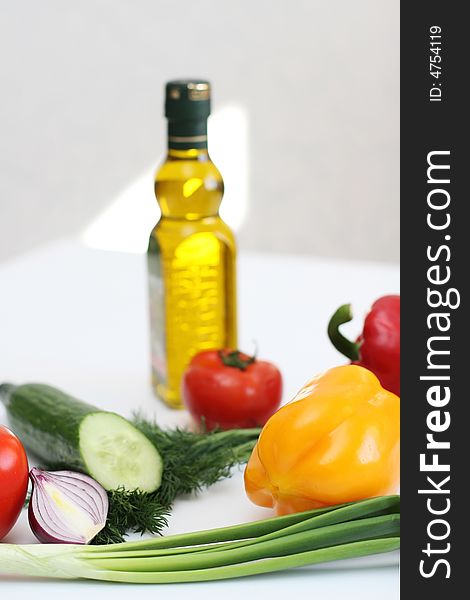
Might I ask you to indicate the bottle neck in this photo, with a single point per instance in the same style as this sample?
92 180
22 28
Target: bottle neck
188 185
187 134
200 154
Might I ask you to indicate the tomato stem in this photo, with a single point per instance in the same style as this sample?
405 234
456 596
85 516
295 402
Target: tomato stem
235 359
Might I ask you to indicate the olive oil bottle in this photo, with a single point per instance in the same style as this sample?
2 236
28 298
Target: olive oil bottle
191 253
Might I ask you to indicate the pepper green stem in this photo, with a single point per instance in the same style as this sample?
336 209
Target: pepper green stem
234 359
341 343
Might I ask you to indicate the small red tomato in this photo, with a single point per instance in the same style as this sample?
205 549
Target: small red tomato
229 389
13 479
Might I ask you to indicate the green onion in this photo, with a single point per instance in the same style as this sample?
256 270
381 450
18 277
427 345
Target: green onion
347 531
250 533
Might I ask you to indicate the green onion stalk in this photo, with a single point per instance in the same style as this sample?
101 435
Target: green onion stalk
352 530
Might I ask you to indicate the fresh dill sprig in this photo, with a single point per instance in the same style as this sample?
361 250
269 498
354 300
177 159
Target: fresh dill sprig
191 462
134 511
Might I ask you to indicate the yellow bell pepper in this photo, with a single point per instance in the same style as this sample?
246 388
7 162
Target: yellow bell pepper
337 441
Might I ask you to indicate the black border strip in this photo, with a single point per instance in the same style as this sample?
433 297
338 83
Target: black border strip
434 260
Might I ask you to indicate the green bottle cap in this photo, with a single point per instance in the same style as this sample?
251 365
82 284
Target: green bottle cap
187 100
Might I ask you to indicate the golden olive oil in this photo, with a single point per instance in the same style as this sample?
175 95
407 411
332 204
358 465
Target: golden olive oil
191 253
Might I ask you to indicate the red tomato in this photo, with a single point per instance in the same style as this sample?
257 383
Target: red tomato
229 389
13 479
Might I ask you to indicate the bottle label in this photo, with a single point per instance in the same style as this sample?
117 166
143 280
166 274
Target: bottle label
157 314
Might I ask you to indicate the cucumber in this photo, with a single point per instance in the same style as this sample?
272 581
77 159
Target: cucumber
67 433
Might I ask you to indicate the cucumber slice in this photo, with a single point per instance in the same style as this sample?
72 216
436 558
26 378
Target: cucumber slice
116 454
66 433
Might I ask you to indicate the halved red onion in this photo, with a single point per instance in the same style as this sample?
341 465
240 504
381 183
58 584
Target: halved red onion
66 507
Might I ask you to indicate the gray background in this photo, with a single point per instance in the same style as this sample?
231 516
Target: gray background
317 80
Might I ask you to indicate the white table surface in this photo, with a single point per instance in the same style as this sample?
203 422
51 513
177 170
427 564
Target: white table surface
76 318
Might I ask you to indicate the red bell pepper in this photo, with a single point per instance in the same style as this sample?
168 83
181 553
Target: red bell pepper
378 347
